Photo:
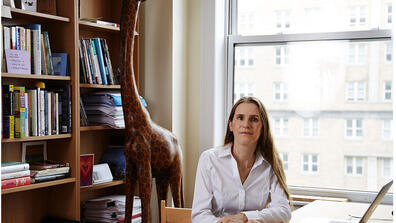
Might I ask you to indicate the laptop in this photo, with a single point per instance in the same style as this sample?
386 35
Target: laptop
366 215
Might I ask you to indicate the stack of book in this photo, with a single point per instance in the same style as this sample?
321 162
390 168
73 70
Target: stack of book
110 209
36 111
104 108
95 63
48 170
14 174
30 38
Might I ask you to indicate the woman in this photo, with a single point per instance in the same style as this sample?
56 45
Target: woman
243 181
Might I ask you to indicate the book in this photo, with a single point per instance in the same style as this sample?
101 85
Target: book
49 172
59 61
8 111
44 64
40 179
9 167
15 182
101 173
48 53
22 173
47 164
86 169
101 65
36 48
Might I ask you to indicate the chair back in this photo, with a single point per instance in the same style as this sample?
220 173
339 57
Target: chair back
175 215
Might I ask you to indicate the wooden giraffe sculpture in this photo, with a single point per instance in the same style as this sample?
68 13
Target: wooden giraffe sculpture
150 151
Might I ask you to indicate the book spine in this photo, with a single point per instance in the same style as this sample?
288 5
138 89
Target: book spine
16 182
48 53
49 114
13 38
45 112
57 112
90 61
99 54
22 114
108 61
48 178
36 48
83 74
14 168
44 64
42 113
23 173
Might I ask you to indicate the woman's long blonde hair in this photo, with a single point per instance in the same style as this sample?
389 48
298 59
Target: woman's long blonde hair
265 144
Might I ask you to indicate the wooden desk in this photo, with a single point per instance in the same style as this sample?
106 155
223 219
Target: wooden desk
340 211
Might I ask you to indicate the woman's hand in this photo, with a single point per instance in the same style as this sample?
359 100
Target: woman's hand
237 218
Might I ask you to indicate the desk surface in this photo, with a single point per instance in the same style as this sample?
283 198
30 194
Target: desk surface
340 211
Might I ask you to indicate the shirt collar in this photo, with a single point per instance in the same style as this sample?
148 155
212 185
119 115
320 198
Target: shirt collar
226 152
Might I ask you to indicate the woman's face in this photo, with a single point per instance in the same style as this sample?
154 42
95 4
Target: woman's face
246 124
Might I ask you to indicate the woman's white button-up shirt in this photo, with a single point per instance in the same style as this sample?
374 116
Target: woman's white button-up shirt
219 191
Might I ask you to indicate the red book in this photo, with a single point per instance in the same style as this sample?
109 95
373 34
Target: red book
15 182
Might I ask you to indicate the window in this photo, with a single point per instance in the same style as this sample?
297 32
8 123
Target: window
280 92
285 160
353 166
244 57
281 55
281 127
243 89
246 22
388 53
389 14
388 91
357 53
354 129
387 167
311 127
357 15
282 20
387 129
310 163
330 58
356 91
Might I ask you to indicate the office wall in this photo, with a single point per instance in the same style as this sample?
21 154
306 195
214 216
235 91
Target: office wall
170 74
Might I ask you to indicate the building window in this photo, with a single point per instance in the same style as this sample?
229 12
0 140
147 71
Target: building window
282 20
388 53
285 161
388 91
354 129
281 127
310 163
357 15
280 92
311 127
353 166
356 91
387 167
357 53
389 13
244 57
243 89
387 129
281 55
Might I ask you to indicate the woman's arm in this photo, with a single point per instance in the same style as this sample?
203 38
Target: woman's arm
278 209
203 193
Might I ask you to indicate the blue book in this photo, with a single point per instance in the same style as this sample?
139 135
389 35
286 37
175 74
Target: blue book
100 59
59 61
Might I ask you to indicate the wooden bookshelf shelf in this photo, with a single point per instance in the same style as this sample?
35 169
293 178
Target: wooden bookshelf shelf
92 25
98 127
101 186
25 13
37 138
38 77
99 86
37 186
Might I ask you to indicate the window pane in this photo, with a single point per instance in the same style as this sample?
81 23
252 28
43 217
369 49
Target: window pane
271 17
318 77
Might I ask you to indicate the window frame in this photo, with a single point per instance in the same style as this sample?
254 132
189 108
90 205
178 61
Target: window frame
354 166
310 163
232 40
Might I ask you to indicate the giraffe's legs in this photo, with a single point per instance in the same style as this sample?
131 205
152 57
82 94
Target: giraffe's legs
130 183
144 179
175 182
162 184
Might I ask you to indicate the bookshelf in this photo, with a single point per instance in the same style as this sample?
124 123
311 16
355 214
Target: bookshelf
63 198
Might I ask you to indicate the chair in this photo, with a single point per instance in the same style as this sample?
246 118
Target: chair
175 215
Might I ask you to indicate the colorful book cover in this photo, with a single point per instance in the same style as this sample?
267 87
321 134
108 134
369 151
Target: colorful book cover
86 169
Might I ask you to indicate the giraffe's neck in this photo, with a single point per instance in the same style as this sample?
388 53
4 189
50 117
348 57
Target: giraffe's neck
129 93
